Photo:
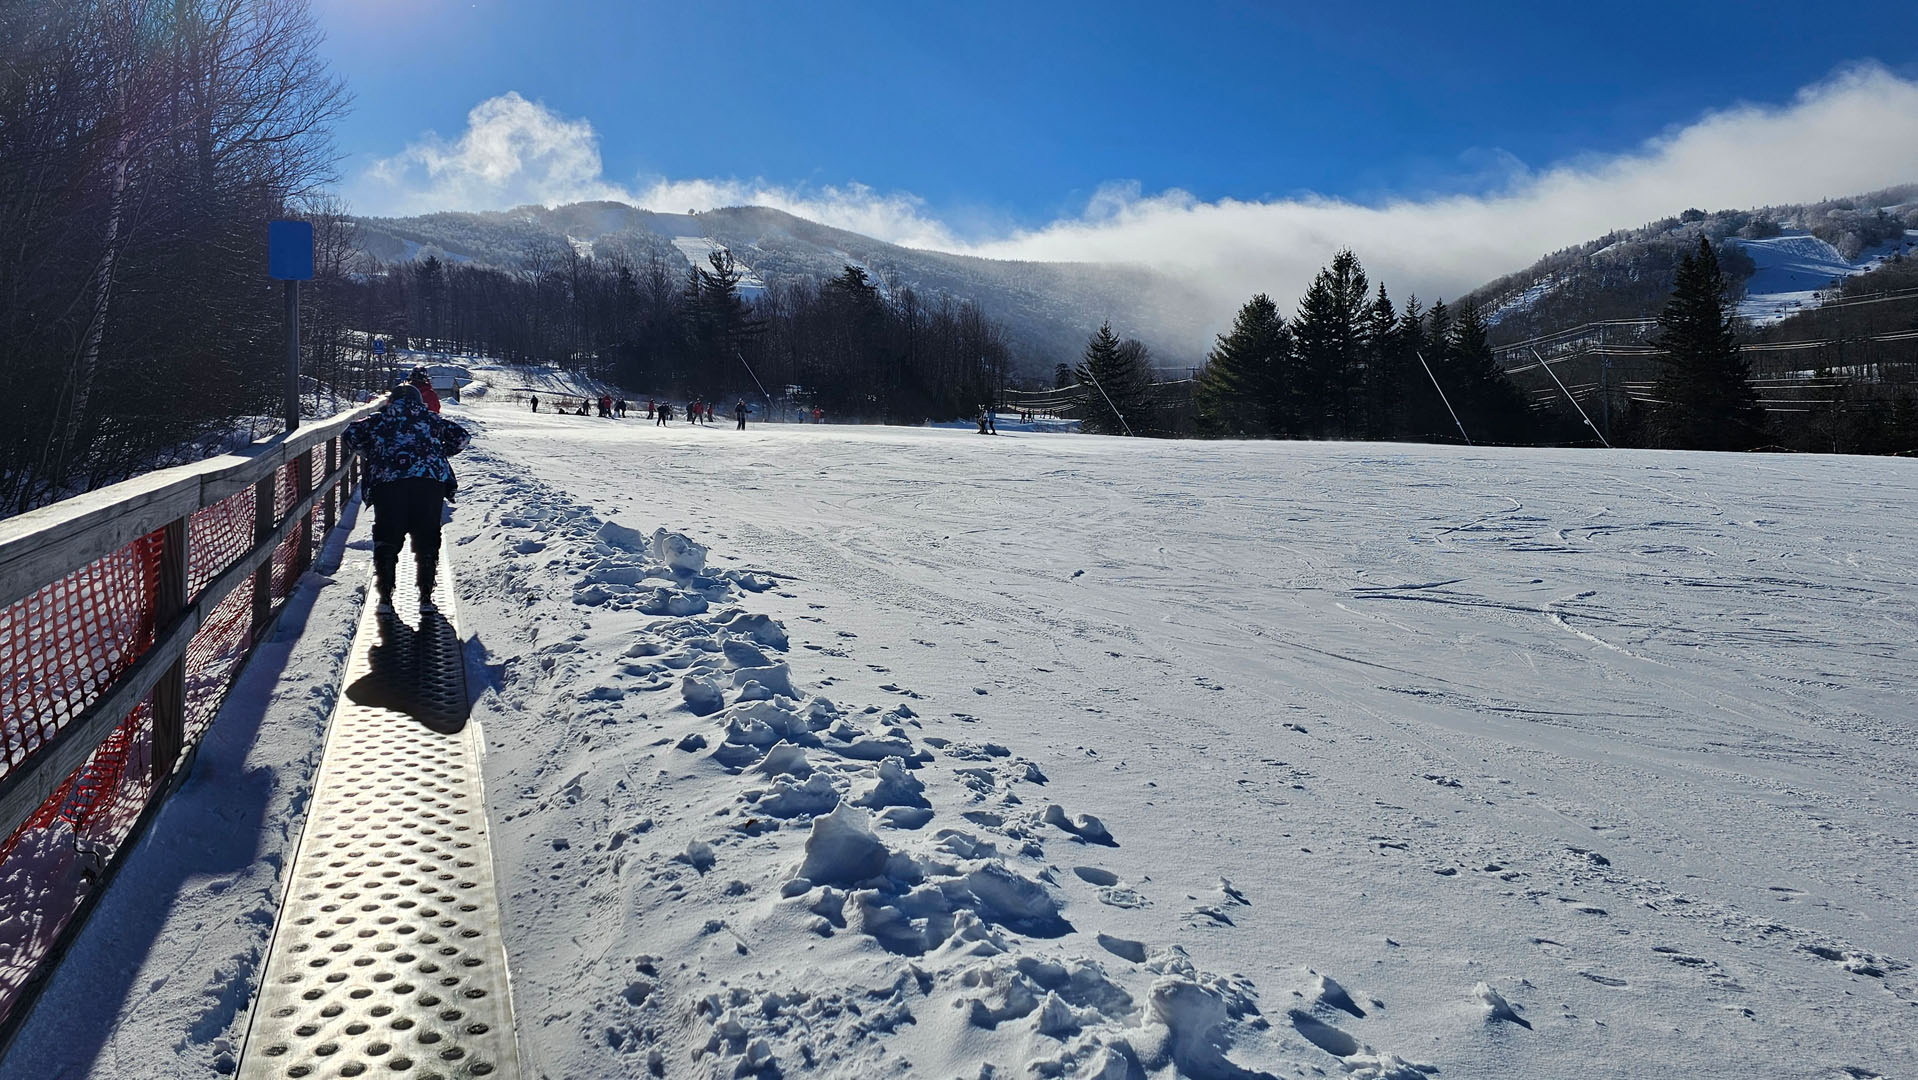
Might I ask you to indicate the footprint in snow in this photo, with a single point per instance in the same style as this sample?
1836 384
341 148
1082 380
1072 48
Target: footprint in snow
1322 1035
1124 948
1093 875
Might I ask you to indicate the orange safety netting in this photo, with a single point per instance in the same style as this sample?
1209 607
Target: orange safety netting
91 786
64 645
217 536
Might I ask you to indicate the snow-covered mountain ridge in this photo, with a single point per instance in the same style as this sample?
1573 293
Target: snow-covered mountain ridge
1780 259
1047 308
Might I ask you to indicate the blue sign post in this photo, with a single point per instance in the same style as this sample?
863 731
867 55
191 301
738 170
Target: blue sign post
289 258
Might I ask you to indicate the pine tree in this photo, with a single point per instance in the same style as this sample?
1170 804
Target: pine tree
1120 379
1705 399
1330 335
1385 370
1237 395
1421 414
1491 406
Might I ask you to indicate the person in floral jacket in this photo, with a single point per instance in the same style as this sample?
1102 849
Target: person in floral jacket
406 446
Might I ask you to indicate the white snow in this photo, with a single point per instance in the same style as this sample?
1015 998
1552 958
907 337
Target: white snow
697 248
1523 301
1796 268
841 751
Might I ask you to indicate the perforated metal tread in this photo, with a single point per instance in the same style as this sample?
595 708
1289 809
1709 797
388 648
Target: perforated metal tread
387 959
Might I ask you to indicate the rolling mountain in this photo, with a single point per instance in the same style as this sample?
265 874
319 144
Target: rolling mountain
1048 309
1780 259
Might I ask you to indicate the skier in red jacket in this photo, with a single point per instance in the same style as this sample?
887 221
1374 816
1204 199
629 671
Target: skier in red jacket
424 382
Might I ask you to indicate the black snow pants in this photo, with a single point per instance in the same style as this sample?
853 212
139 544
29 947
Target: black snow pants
404 509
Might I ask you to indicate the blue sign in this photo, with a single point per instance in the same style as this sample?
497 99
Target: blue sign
379 346
289 250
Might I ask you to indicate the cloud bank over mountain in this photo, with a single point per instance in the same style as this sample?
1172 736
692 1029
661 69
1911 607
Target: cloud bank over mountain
1856 131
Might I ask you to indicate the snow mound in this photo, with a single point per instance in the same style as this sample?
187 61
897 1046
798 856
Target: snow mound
678 552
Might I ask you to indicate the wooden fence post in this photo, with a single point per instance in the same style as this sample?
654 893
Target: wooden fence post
302 487
331 502
264 493
169 694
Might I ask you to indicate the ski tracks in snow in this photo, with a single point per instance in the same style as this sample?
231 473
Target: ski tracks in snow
709 868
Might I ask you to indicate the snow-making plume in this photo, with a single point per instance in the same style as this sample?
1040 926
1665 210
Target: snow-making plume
1856 131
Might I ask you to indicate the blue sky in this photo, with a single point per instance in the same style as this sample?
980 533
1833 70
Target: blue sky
1022 110
1236 142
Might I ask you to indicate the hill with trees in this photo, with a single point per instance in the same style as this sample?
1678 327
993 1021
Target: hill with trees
1628 274
1046 309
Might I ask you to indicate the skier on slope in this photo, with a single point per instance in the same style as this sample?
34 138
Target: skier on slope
424 383
406 446
535 402
739 410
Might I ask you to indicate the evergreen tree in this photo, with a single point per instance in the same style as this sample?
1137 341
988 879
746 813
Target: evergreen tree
1120 379
1237 395
1421 414
1441 414
1706 400
723 325
1385 370
1330 337
1491 406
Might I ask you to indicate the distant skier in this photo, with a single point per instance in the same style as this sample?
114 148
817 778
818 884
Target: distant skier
406 446
649 408
424 383
710 414
739 410
619 408
665 414
982 419
535 402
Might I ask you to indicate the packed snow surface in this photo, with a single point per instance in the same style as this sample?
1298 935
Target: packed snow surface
835 751
959 756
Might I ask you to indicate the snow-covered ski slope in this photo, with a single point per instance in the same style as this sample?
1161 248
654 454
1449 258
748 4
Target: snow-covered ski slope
961 756
1794 268
1045 755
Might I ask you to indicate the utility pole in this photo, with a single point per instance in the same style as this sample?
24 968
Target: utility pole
1604 390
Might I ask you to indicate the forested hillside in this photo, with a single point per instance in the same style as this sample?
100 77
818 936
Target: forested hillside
1627 274
143 149
1046 308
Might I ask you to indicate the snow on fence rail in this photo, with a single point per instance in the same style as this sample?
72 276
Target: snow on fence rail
125 614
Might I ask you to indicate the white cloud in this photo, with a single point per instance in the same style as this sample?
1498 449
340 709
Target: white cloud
1851 133
514 152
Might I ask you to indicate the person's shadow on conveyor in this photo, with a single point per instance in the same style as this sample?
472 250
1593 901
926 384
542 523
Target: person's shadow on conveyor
417 671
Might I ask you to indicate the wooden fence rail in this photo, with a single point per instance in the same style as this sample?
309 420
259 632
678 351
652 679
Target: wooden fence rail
54 718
